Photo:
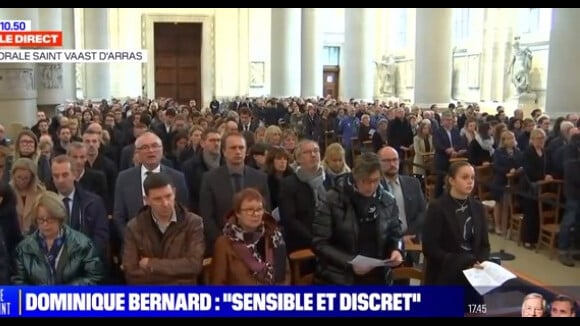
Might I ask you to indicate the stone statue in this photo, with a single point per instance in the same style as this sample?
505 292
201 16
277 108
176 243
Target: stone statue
386 70
51 75
520 68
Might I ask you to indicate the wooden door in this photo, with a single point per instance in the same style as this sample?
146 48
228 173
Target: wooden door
330 81
177 49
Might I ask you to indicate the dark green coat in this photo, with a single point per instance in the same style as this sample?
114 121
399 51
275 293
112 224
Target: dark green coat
79 263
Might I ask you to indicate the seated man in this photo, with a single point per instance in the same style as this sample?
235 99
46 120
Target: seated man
164 243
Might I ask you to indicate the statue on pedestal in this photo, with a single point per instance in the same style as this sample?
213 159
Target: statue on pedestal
520 68
386 70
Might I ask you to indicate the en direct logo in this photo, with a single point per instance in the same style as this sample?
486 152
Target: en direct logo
31 39
5 307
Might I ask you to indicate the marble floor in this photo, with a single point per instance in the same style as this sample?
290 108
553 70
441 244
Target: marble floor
537 265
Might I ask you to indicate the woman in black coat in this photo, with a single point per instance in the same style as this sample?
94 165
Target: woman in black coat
458 237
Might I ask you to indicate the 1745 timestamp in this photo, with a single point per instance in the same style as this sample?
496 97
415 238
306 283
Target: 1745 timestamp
480 308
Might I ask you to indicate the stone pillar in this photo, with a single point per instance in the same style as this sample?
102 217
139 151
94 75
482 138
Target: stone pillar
68 69
312 46
49 76
97 75
359 68
286 53
562 95
433 56
17 82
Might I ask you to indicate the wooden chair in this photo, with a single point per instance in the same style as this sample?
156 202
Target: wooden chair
297 259
409 273
355 147
407 159
549 193
429 178
483 177
206 271
515 216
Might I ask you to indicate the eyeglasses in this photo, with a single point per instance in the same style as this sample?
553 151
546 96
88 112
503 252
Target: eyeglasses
47 220
254 211
154 146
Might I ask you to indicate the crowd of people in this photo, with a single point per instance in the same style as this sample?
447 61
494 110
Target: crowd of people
159 192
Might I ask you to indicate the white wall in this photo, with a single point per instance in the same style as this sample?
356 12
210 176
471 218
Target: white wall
260 42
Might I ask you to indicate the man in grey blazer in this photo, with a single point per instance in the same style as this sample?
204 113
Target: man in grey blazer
408 194
129 187
218 187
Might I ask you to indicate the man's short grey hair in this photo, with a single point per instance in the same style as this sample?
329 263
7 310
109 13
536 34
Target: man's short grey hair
139 139
75 146
298 149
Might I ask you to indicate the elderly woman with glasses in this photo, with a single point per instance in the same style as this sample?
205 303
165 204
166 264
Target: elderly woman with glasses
251 250
55 254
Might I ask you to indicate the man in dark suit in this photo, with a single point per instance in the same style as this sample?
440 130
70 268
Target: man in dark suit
246 121
165 130
448 144
129 186
218 187
86 211
208 159
408 195
94 181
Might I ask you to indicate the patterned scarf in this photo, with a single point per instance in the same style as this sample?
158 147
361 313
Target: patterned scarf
51 254
266 270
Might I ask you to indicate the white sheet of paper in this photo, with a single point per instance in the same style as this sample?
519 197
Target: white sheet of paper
367 261
489 278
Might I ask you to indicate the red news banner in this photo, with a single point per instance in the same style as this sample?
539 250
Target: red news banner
31 39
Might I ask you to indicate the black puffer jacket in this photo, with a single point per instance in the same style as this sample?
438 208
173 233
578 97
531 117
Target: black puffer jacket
336 232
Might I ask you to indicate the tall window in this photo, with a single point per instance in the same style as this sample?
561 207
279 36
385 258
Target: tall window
331 56
399 27
534 21
462 25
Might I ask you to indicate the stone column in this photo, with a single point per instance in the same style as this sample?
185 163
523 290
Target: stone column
17 82
359 68
433 56
49 76
562 95
97 75
312 46
286 53
68 69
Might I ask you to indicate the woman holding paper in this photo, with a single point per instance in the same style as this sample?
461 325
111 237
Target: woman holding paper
356 231
457 237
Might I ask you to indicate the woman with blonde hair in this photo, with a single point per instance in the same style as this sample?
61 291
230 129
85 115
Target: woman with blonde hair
55 254
423 145
26 145
260 134
507 159
334 162
273 136
27 187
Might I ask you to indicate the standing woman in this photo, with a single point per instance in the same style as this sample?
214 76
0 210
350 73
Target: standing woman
457 237
507 159
535 164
